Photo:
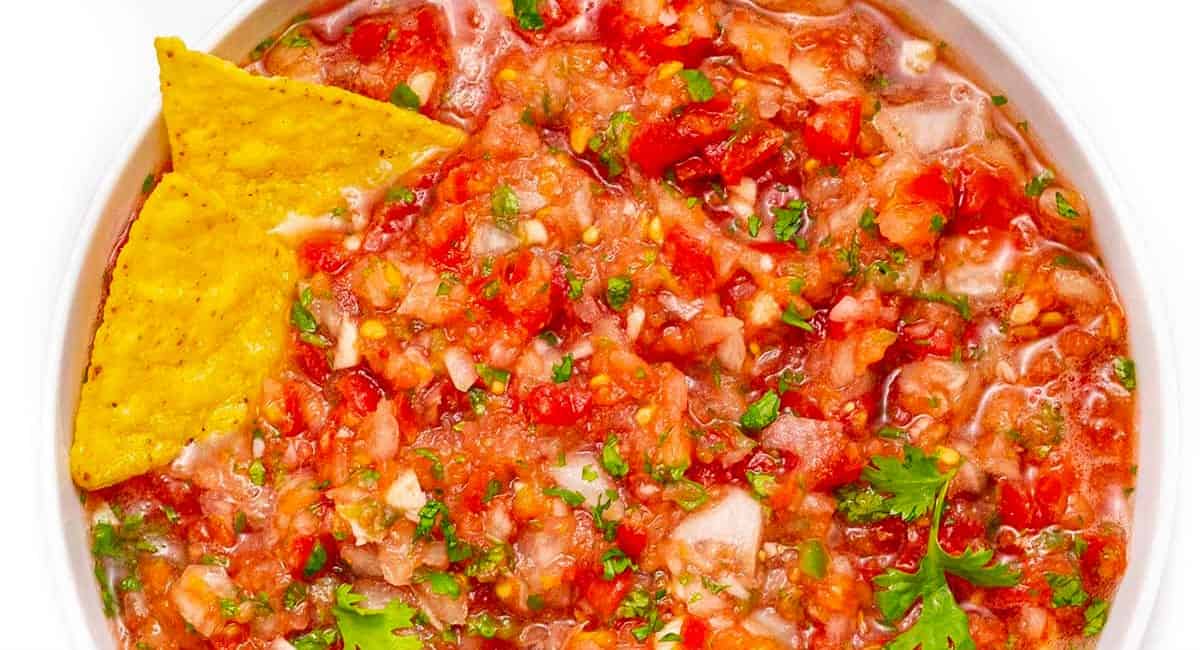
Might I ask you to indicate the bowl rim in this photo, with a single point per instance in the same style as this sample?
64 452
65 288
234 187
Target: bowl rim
79 605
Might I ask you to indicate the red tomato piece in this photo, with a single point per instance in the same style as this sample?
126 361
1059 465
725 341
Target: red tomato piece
1014 505
658 145
558 404
630 539
605 595
747 153
689 260
831 131
324 255
1102 563
312 556
311 361
694 633
367 39
358 390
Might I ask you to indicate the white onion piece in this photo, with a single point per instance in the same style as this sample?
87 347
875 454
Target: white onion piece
712 330
461 368
767 622
345 355
732 524
490 241
570 475
384 432
684 311
406 495
197 593
930 127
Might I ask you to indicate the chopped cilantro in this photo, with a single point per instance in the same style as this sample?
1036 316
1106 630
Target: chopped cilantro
999 100
869 220
862 505
792 316
615 562
317 558
937 223
478 399
373 629
442 584
699 88
762 412
753 224
319 639
296 40
505 207
1064 207
492 490
561 371
257 473
1094 617
1039 183
1066 590
960 303
405 97
691 494
527 15
789 219
612 145
611 460
1126 372
761 483
619 289
569 497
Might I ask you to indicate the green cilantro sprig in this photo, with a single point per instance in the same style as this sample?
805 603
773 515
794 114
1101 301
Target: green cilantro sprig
916 485
373 629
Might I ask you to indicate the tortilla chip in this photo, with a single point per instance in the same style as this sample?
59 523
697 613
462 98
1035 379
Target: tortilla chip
279 146
196 318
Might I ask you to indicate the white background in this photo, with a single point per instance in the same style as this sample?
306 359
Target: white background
77 74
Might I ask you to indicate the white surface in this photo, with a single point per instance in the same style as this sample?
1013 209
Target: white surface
80 74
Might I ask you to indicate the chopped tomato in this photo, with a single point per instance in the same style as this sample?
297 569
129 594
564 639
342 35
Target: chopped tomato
358 390
558 404
831 131
689 260
658 145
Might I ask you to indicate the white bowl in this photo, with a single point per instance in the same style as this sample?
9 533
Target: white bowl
987 53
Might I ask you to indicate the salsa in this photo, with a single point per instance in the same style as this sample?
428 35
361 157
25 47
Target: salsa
731 326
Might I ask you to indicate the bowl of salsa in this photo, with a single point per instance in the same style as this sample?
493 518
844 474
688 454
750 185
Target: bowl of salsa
790 324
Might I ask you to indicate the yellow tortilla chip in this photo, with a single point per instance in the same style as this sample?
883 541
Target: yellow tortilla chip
196 317
276 145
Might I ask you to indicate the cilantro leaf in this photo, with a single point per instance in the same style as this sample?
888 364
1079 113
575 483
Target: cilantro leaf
1094 617
612 145
562 370
960 303
618 292
942 625
615 562
442 584
527 15
1039 183
1064 207
699 88
569 497
319 639
763 412
610 458
1126 372
862 505
789 219
373 629
1066 590
913 483
972 566
405 97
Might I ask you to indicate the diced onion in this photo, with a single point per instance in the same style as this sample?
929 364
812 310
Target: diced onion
461 368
